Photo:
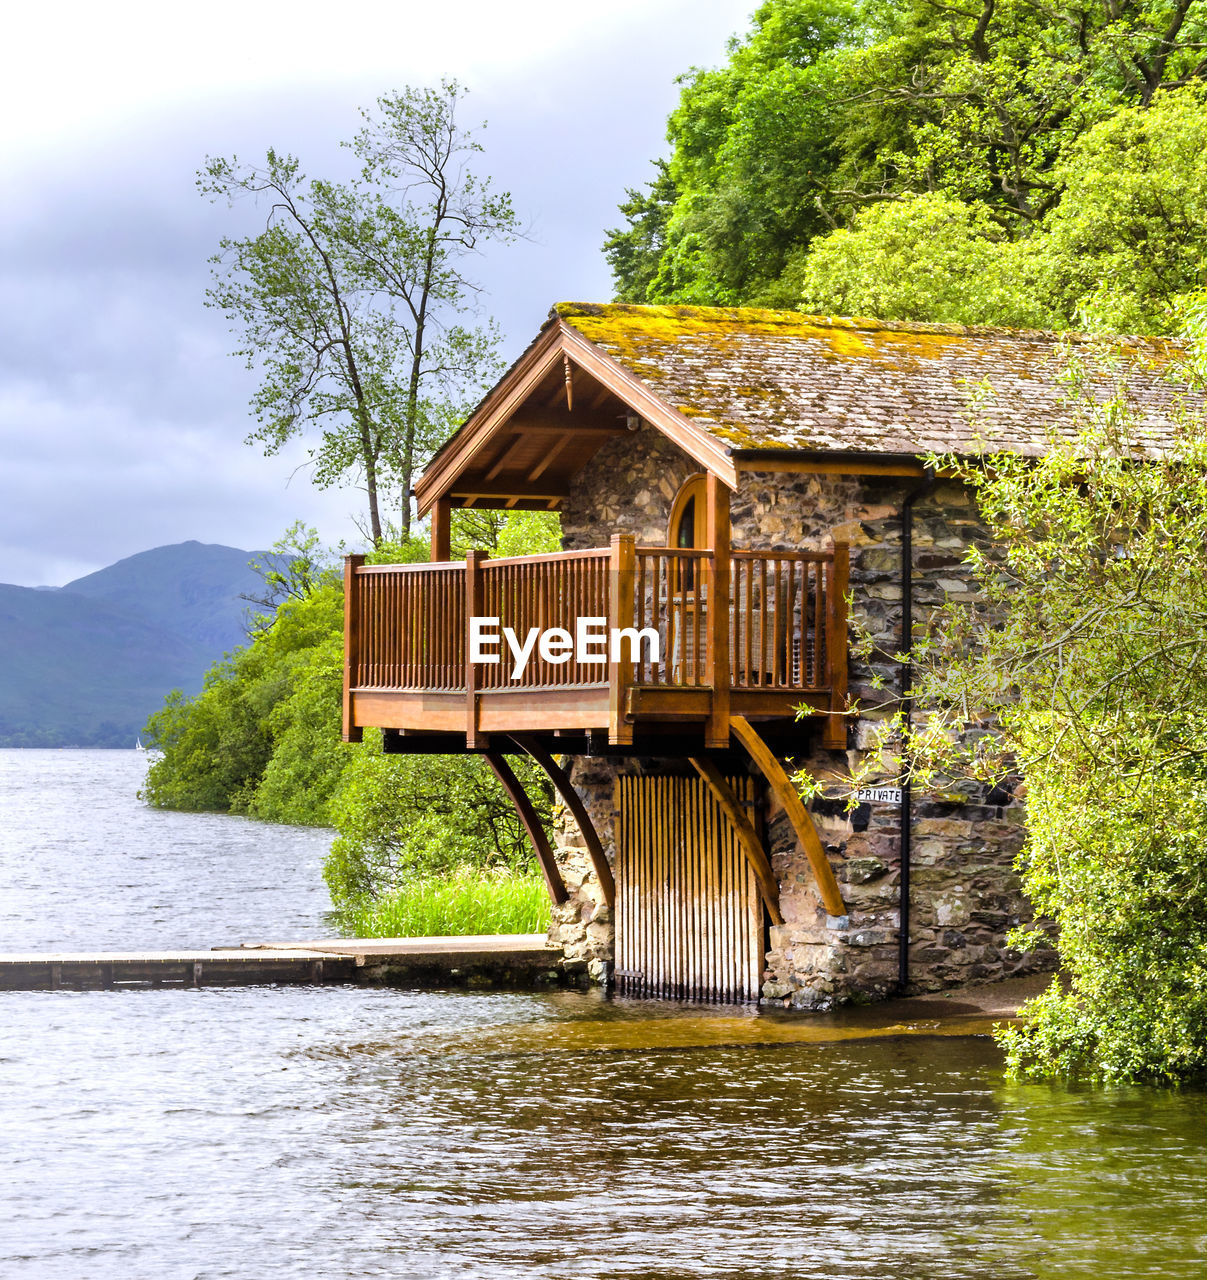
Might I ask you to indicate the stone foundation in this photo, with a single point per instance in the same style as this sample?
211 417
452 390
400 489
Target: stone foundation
583 926
965 893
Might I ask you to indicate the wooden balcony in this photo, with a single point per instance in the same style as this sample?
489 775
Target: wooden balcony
779 643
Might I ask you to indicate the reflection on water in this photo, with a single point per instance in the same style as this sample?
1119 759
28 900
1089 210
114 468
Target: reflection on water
1107 1183
344 1132
347 1132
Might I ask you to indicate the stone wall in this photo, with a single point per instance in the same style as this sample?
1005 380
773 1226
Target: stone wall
965 894
583 926
628 487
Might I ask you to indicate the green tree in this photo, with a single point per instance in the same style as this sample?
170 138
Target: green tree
216 746
829 106
290 571
402 816
751 143
635 251
350 303
924 257
505 533
1093 683
1120 253
1127 245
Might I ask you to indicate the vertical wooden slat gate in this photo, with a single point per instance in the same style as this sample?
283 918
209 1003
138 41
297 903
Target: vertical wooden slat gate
689 916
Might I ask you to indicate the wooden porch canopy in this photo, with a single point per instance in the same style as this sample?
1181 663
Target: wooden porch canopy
542 423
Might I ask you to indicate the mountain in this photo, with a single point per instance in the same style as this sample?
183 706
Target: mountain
86 664
190 589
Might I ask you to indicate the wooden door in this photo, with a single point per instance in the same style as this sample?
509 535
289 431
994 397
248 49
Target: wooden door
689 916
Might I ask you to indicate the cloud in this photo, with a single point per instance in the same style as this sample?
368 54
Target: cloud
122 415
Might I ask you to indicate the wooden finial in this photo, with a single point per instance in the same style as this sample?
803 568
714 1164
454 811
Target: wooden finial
569 371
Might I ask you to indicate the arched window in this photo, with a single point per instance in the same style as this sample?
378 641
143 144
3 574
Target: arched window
687 525
687 528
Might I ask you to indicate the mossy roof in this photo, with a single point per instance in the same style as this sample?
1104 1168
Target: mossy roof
781 380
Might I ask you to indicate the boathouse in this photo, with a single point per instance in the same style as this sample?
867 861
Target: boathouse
747 485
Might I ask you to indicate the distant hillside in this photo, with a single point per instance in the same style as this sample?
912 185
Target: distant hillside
190 589
85 665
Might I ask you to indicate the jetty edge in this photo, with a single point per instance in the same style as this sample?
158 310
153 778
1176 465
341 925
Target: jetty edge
508 961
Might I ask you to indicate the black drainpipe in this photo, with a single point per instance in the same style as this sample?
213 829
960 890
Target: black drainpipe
907 707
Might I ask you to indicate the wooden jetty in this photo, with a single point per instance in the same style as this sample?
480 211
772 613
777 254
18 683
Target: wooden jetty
83 971
509 960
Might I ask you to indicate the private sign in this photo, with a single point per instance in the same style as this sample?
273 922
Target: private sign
878 795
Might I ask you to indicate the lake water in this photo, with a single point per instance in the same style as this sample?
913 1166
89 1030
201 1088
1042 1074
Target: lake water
345 1132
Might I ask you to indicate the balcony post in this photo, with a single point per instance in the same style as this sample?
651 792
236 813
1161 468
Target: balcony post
835 734
473 606
441 536
622 572
716 528
351 731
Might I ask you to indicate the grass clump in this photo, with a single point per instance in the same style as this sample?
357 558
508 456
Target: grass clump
462 903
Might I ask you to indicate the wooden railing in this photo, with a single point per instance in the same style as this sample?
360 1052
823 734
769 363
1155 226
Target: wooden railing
671 588
407 626
544 592
410 624
779 611
780 606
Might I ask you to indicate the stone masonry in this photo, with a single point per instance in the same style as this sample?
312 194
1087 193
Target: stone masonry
965 893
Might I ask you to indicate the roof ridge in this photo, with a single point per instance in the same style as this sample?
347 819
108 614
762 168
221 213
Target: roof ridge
860 324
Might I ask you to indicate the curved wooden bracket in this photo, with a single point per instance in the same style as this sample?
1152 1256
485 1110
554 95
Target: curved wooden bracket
573 801
798 815
532 824
747 836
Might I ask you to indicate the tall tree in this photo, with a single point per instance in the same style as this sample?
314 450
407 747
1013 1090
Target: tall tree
1122 252
829 106
433 215
354 303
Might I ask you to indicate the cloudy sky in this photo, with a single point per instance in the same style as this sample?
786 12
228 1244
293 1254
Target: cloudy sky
122 417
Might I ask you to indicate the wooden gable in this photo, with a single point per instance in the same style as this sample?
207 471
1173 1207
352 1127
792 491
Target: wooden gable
545 420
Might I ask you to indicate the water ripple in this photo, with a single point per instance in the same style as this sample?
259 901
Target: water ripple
340 1132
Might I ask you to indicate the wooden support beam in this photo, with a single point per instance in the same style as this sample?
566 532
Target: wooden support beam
748 838
555 447
441 533
532 824
835 735
472 491
716 539
508 502
818 466
622 571
556 424
473 609
352 627
509 443
798 815
681 703
573 801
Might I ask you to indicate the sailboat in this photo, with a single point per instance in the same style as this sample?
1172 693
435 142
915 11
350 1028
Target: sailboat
138 746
